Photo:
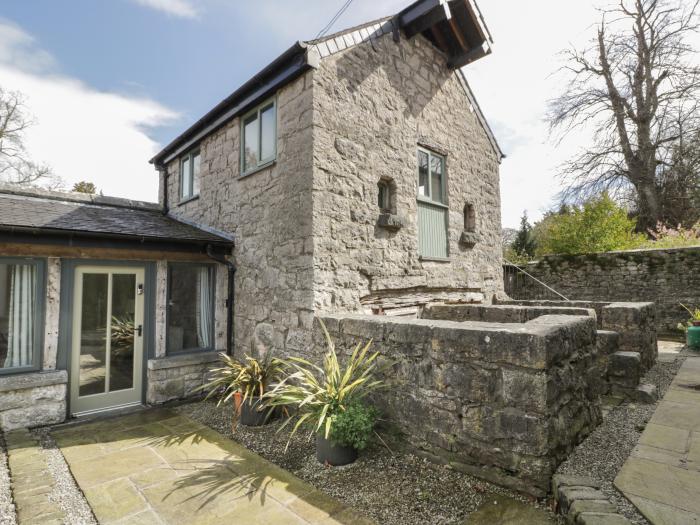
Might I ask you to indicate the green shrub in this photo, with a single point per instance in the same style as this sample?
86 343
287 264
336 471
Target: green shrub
354 426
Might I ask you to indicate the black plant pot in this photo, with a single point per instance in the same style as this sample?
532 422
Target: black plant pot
333 454
252 415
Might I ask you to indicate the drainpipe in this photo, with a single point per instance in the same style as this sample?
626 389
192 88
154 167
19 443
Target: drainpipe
230 299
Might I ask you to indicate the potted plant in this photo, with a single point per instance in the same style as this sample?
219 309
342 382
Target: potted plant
246 382
692 328
331 400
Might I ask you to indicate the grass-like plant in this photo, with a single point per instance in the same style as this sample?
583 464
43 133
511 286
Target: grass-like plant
251 377
319 394
694 317
122 332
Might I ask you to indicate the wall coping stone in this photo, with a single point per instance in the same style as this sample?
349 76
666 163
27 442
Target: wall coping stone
176 361
33 380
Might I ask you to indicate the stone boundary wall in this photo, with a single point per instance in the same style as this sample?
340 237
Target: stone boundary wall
505 402
666 277
33 399
499 313
635 322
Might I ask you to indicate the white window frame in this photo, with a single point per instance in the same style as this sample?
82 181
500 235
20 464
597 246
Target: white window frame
190 175
260 161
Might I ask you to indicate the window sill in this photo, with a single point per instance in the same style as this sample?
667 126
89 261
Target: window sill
257 169
188 199
24 378
184 358
434 259
389 221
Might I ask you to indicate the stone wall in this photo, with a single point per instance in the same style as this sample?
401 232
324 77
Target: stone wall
506 402
269 214
666 277
634 322
374 103
33 399
178 376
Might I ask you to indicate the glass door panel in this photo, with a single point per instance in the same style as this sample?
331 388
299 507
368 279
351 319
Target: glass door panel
107 355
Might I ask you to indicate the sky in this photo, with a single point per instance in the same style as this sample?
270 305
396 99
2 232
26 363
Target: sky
108 83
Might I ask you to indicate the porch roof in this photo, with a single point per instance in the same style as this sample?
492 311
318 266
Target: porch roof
32 214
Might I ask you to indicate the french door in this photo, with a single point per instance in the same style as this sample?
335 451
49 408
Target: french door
107 338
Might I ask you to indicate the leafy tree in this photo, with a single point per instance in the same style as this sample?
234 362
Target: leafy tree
600 225
524 244
637 87
85 187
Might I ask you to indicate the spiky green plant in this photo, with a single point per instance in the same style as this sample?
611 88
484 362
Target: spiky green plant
694 316
250 377
122 332
320 393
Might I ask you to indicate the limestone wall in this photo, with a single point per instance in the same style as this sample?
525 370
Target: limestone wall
666 277
32 399
269 214
177 377
506 402
373 105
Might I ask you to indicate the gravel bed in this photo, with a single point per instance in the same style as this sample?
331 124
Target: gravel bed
392 487
602 454
66 493
8 515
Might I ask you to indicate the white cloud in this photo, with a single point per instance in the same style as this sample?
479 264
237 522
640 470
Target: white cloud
180 8
82 133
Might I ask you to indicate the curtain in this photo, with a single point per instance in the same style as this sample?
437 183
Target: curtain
205 314
20 341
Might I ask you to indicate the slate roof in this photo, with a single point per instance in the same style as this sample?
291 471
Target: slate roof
37 211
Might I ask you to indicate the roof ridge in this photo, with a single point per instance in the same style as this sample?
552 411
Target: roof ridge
79 198
342 32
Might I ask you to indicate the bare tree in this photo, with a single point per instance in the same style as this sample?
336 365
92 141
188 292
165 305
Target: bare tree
637 88
15 165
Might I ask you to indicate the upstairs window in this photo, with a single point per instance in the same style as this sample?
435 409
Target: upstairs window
189 176
431 176
259 137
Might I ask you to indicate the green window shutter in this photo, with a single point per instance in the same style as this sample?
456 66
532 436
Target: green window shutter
432 230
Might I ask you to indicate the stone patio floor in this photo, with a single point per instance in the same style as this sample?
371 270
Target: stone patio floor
160 467
662 475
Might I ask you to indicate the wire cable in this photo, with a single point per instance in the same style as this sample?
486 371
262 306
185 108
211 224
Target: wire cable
335 18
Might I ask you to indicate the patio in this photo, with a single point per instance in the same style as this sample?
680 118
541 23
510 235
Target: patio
160 467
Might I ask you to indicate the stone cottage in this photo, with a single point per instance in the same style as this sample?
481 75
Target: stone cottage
354 173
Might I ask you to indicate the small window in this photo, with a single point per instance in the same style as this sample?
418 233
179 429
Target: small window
259 137
190 307
469 218
431 176
384 197
189 175
21 305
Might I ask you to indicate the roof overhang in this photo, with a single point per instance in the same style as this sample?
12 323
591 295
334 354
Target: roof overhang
289 65
86 239
455 27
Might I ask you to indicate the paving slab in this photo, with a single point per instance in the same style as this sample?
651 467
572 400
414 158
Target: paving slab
161 467
31 482
662 475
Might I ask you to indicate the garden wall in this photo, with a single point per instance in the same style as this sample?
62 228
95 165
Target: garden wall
506 402
666 277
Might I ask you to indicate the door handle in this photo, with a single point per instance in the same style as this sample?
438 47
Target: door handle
139 330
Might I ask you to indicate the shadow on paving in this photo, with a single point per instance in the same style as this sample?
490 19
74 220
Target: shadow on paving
160 467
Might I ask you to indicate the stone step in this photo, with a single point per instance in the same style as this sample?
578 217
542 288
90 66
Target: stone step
625 369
